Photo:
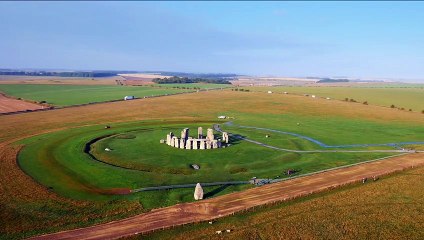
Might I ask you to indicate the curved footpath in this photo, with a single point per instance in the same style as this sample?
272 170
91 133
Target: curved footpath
231 203
397 145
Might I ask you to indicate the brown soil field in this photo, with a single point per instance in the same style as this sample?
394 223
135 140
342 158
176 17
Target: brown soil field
6 79
231 203
14 105
29 207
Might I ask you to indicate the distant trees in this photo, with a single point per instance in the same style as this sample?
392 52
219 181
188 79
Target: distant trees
392 106
365 103
175 79
332 80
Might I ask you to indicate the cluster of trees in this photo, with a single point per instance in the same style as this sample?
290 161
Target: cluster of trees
240 89
198 75
332 80
176 79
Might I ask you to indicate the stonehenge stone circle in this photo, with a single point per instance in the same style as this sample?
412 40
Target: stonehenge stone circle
187 142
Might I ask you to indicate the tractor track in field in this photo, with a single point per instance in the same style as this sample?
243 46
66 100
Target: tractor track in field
229 204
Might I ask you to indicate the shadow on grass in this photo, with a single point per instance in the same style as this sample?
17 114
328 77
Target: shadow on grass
216 191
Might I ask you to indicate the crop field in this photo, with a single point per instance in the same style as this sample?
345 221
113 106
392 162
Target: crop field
12 79
65 95
407 96
390 208
80 191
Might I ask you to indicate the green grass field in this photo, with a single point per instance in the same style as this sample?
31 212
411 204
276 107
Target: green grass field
65 95
138 159
405 97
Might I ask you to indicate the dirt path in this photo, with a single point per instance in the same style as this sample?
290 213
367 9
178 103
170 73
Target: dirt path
231 203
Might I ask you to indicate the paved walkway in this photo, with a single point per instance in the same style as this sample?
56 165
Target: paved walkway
231 203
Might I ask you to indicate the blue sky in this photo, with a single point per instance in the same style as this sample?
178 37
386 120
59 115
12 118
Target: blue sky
356 39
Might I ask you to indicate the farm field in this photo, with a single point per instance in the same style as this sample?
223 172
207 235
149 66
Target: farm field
66 95
72 128
408 96
12 79
388 208
13 105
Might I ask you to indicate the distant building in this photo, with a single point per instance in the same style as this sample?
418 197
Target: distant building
269 91
222 117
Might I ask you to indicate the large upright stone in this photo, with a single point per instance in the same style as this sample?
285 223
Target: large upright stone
198 192
208 144
171 143
185 133
176 142
195 144
202 143
169 138
199 132
189 143
182 143
225 137
215 144
210 134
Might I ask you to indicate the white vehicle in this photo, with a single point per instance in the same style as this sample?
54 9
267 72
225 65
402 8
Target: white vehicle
129 98
222 117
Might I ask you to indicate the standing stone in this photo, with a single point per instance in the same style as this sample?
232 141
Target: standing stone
225 137
168 139
187 133
171 143
202 143
208 144
188 143
175 141
199 132
219 143
210 134
214 144
198 192
194 143
182 143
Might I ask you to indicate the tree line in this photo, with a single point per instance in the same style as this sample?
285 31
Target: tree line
175 79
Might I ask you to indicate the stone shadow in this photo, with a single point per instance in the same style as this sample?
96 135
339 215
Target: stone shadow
216 191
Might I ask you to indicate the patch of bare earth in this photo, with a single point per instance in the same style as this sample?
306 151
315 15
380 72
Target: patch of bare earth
14 105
